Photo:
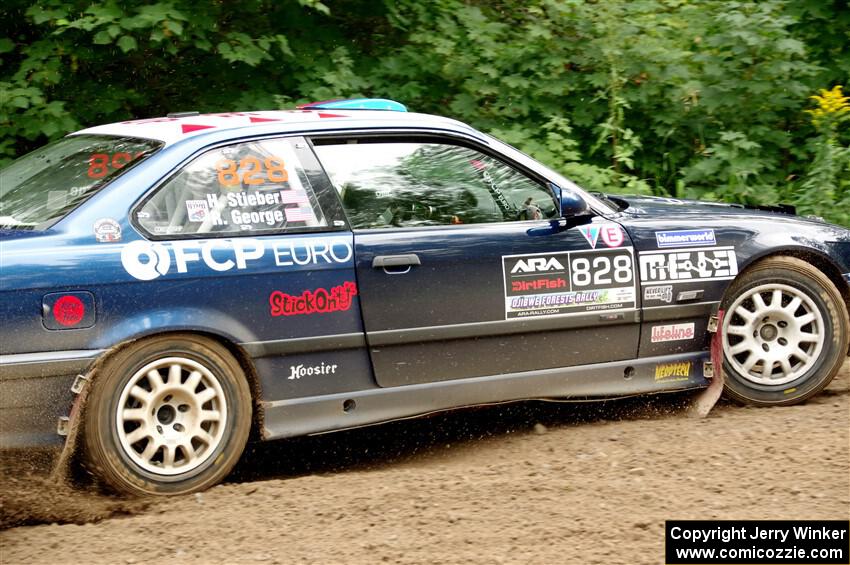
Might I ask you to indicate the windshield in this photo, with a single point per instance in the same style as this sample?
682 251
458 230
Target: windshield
43 186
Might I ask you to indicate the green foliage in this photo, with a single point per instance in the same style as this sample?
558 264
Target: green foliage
666 97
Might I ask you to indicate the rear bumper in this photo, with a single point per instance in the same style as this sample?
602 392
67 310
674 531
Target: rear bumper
35 391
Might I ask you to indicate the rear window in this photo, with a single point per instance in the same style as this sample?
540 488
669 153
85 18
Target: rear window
45 185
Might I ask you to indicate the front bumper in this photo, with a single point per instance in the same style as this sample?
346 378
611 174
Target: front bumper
35 391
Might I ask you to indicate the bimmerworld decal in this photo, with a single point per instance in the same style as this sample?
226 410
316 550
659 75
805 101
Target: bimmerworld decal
569 282
147 260
685 238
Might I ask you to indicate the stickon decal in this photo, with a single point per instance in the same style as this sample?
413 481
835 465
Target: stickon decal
319 301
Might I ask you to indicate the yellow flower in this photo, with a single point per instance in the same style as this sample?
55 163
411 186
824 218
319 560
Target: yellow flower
831 103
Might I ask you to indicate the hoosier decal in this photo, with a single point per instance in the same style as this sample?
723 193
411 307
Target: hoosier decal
706 264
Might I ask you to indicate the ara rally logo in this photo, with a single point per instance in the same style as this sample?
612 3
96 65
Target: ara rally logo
536 265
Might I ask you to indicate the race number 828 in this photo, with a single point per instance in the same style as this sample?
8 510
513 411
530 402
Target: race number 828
602 271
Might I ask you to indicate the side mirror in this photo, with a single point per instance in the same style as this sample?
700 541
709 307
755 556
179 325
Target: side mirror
572 204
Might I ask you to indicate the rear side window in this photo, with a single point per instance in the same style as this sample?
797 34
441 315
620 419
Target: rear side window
45 185
255 187
408 184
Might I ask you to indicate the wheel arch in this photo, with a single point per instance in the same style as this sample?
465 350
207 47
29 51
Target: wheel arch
238 352
814 257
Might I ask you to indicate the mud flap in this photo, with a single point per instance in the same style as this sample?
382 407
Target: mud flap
62 467
703 402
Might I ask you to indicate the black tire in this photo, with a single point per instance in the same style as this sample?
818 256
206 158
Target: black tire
813 351
196 419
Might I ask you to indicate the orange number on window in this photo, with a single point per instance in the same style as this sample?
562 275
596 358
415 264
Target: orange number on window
227 174
120 159
252 175
275 170
98 165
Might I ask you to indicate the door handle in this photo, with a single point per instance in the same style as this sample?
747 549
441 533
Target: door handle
389 261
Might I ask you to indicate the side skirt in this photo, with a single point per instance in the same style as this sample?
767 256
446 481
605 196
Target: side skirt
317 414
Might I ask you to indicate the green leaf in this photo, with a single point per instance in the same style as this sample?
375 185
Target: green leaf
6 45
102 38
126 43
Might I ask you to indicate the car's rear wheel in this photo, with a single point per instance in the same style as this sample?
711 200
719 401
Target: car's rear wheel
785 333
169 415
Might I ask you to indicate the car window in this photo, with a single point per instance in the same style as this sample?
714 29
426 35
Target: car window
45 185
405 184
256 187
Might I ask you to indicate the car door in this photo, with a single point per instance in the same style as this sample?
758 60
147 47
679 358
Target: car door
464 269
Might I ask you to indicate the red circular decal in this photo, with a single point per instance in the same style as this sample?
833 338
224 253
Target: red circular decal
69 310
612 235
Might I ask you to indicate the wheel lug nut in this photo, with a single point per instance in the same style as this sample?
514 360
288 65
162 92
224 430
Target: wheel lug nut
765 346
178 427
183 408
159 428
783 324
167 398
783 341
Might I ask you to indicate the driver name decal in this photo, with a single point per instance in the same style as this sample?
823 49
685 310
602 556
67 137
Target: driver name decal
569 282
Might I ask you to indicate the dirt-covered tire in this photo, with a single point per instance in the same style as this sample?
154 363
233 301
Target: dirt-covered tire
785 333
167 415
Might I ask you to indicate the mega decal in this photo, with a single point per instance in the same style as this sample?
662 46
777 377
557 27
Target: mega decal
319 301
107 230
591 234
672 332
684 238
706 264
147 260
673 371
612 235
298 371
660 293
568 282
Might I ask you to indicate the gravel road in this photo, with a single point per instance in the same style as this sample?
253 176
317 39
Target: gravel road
522 483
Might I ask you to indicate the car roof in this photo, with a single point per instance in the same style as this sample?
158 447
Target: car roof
172 130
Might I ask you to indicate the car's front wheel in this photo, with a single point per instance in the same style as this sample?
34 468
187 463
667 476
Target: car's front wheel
168 415
785 333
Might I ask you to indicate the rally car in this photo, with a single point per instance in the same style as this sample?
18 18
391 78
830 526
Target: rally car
170 285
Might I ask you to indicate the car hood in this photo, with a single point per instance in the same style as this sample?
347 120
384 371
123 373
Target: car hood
654 205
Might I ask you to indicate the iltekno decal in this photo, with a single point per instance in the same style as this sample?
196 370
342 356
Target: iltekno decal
319 301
